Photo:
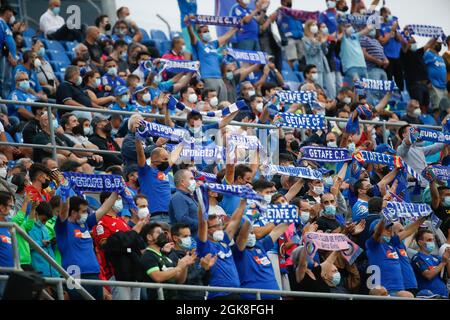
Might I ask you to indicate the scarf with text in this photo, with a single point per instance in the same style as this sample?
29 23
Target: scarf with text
252 57
281 213
238 105
424 134
301 172
324 154
375 85
395 210
305 121
427 31
437 172
153 129
302 97
179 66
224 21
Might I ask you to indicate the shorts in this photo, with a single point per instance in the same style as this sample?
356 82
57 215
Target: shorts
294 49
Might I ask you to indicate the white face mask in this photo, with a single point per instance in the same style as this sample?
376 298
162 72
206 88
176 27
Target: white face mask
251 93
324 30
268 198
218 235
251 240
192 98
247 2
146 97
214 101
304 216
3 172
314 29
331 4
143 213
186 243
192 186
259 107
83 218
347 100
417 112
315 77
351 147
87 131
37 63
332 144
318 190
118 206
414 47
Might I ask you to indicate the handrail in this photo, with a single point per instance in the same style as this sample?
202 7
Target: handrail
45 255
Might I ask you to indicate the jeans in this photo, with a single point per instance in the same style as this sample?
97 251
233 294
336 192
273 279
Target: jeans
125 293
164 217
376 74
354 73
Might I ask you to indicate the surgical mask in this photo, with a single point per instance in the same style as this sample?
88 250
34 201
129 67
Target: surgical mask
417 112
79 81
87 131
183 48
186 243
195 130
192 186
146 97
112 71
213 102
259 107
55 124
329 210
331 4
24 85
12 20
125 98
324 30
251 93
157 79
10 216
336 279
230 75
314 29
372 33
192 98
414 47
268 198
447 201
218 235
347 100
37 63
318 190
3 172
332 144
251 240
304 216
206 37
143 213
329 181
315 77
98 82
390 17
430 246
118 206
56 10
41 52
83 218
351 147
386 239
247 2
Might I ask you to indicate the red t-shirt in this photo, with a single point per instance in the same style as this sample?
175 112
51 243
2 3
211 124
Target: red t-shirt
36 195
107 226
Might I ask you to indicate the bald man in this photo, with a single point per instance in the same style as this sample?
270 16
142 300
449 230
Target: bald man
92 43
54 26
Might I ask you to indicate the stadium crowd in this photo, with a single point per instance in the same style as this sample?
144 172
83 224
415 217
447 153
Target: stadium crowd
165 237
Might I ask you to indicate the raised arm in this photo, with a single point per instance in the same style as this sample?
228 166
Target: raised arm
175 154
242 237
202 226
435 197
235 220
183 82
141 160
227 119
296 187
106 206
278 231
302 266
378 230
386 180
227 36
383 102
190 31
411 229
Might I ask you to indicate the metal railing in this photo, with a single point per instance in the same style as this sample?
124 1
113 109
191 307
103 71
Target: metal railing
50 106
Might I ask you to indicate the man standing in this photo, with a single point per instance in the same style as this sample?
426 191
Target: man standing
437 73
247 36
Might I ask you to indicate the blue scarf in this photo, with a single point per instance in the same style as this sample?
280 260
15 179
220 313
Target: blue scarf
302 97
281 213
174 103
364 112
216 20
178 66
325 154
205 176
426 31
306 121
153 129
440 173
423 134
354 19
210 153
301 172
252 57
395 210
81 182
375 85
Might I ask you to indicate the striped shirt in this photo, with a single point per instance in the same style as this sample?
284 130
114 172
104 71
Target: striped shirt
373 48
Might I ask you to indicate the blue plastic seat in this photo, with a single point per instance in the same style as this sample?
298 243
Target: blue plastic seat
53 45
174 34
59 66
70 45
59 56
93 203
428 120
163 46
29 32
145 36
158 35
27 41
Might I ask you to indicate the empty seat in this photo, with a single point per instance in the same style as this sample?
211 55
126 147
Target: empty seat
59 66
163 46
145 36
158 35
27 41
29 32
70 45
53 45
59 56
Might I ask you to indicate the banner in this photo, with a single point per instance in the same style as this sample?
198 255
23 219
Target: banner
325 241
302 97
153 129
224 21
301 172
324 154
352 253
427 31
395 210
204 176
238 105
81 182
208 153
423 134
281 213
375 85
440 173
247 142
177 66
305 121
253 57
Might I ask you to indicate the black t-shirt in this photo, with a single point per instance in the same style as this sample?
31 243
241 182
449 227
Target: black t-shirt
30 131
442 213
107 144
153 261
95 51
43 138
413 66
68 90
412 120
308 284
326 224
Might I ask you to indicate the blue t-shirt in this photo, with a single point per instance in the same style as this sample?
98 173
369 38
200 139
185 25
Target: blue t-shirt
351 53
128 107
255 269
437 72
156 187
360 210
32 76
76 245
386 258
290 27
107 80
6 37
209 58
224 272
392 47
249 31
329 18
6 249
19 95
423 262
186 7
409 278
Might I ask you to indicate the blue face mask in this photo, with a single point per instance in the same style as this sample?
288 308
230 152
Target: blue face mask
125 99
24 85
430 246
386 239
447 201
41 52
56 10
336 279
207 37
230 75
98 82
329 210
55 124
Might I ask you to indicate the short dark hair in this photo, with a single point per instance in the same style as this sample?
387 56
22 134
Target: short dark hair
148 228
44 209
267 87
240 170
65 119
175 229
119 43
309 67
119 11
115 170
75 203
375 205
194 115
104 195
358 185
18 179
55 202
262 184
36 169
420 233
99 19
206 91
139 196
5 197
402 130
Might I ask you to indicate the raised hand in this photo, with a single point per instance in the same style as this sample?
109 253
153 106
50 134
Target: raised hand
208 261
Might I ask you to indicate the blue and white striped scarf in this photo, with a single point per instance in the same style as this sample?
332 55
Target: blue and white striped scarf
174 103
178 66
424 134
437 172
224 21
153 129
395 210
281 213
205 176
303 97
306 121
301 172
322 154
375 85
253 57
427 31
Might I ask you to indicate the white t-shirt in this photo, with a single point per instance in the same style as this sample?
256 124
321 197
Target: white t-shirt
442 248
216 210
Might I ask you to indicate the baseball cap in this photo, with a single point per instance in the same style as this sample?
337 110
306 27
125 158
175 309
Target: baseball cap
120 91
139 89
426 294
384 147
98 118
374 224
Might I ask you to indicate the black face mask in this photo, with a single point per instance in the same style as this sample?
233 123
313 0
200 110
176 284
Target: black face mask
85 56
344 9
163 166
370 192
162 240
108 27
385 171
46 184
107 128
219 197
438 47
295 146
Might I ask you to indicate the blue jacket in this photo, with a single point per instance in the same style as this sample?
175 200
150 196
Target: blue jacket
38 234
183 208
